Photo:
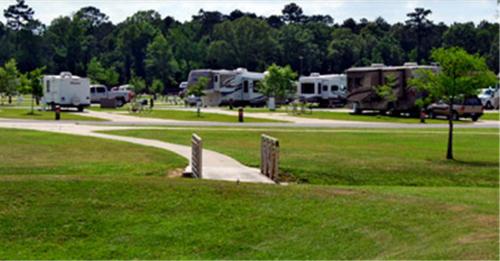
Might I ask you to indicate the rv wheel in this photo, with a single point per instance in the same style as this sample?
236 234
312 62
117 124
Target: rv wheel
488 105
80 108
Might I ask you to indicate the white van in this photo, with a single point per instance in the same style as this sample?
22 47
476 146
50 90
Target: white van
66 90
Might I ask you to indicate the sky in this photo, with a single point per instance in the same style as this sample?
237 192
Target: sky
448 11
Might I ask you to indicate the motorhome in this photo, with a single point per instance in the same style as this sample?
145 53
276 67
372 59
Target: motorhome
66 90
327 90
237 87
362 84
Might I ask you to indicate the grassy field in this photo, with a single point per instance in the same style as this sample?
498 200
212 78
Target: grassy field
17 113
69 197
360 157
491 116
41 153
152 218
191 116
372 117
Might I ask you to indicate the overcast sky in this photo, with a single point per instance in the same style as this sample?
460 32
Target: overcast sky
447 11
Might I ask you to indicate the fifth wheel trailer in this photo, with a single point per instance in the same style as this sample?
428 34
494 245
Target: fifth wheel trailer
66 90
362 83
237 87
327 90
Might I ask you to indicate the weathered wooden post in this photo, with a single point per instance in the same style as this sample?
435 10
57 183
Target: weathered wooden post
196 156
269 157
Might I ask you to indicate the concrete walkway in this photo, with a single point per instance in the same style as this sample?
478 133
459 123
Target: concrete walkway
216 166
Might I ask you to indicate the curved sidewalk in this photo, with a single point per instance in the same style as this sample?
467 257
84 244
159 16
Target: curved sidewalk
216 166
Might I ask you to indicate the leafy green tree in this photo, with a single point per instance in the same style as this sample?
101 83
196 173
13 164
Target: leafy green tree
246 42
160 62
344 50
35 78
189 50
157 87
298 48
461 75
278 82
138 84
9 79
98 74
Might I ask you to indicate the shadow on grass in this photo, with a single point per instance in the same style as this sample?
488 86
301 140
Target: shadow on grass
474 163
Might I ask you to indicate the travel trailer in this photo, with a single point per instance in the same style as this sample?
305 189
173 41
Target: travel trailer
66 90
328 90
363 81
237 87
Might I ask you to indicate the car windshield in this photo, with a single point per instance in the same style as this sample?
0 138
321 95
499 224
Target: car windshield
487 92
472 101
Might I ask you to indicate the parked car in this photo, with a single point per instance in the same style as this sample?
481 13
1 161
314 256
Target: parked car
66 90
99 92
467 108
487 97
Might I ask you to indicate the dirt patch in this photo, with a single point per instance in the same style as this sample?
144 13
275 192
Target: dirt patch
175 173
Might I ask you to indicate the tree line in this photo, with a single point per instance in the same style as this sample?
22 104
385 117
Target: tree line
158 52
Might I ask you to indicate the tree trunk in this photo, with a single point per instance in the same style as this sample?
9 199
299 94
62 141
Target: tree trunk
449 153
10 99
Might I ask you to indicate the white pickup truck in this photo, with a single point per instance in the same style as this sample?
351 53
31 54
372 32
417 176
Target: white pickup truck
99 92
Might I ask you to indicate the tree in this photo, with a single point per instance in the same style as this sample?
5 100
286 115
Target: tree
419 23
98 74
197 89
138 84
160 62
461 75
292 13
344 50
278 82
246 42
18 15
9 79
35 78
157 87
297 42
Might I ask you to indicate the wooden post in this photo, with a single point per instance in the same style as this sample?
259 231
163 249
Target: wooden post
196 156
269 157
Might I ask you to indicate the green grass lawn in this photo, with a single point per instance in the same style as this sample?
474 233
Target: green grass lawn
37 153
70 197
192 116
16 113
371 117
491 116
360 157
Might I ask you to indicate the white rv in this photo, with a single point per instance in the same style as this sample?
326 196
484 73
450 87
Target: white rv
328 90
237 87
66 90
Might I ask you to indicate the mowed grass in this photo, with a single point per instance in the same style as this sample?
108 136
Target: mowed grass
87 198
153 218
192 116
491 116
17 113
359 157
44 153
372 117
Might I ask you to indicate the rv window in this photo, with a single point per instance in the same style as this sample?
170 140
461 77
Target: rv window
325 88
48 86
256 85
92 90
319 88
101 90
216 78
245 86
334 88
307 88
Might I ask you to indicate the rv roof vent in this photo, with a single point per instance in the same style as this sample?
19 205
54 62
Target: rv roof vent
410 64
378 65
314 74
65 74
